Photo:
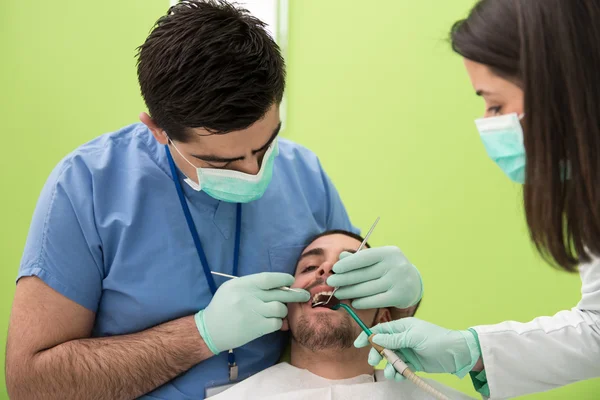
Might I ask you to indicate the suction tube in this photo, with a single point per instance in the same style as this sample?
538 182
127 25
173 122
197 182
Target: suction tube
392 358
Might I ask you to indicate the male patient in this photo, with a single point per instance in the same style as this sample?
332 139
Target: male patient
324 363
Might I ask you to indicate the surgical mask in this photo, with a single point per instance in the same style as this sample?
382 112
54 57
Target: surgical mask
503 140
234 186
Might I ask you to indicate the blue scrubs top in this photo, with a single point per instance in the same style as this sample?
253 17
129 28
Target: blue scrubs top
109 233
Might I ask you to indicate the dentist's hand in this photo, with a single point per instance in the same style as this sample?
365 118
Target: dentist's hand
376 278
245 309
424 347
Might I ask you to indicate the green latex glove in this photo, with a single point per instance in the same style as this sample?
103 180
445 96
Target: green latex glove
376 278
245 309
424 347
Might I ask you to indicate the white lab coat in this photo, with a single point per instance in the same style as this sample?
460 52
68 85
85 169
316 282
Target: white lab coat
548 352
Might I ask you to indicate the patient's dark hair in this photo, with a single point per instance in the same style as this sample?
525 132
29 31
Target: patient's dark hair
209 64
411 310
339 232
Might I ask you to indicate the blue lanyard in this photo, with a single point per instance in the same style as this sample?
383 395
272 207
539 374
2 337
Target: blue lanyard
194 231
233 368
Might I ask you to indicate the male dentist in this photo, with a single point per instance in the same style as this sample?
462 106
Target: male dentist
115 298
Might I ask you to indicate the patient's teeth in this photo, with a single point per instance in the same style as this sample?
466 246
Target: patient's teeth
316 295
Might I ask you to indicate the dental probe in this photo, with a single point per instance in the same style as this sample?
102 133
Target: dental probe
364 242
235 277
392 358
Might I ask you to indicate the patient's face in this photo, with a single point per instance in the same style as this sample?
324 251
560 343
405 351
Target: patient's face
320 327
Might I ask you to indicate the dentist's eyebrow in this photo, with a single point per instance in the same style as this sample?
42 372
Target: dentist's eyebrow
211 158
271 140
483 93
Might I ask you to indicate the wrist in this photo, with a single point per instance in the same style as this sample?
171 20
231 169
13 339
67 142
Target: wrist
200 322
478 366
421 289
472 353
410 293
180 337
475 348
199 351
415 282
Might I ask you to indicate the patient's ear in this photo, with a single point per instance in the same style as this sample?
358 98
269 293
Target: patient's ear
285 326
383 315
399 313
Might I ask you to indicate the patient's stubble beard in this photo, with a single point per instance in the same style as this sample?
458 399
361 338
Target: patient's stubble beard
322 333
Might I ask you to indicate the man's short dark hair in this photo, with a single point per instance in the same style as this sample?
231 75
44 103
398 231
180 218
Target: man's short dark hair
208 64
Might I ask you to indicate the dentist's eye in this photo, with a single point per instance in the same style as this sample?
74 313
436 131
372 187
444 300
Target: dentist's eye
494 110
217 166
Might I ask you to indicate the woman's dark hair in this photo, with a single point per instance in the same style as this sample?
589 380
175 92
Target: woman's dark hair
208 64
551 49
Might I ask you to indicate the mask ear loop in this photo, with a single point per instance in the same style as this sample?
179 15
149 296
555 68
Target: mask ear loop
197 186
176 149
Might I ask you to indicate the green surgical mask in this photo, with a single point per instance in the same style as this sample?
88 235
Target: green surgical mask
235 186
502 137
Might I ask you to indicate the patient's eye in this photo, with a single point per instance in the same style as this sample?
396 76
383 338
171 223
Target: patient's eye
310 268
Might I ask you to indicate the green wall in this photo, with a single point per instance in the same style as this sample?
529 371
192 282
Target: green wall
373 89
67 75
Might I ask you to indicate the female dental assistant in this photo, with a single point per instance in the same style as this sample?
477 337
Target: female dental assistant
536 64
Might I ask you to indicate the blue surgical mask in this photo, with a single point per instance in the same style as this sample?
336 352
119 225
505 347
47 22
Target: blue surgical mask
235 186
503 140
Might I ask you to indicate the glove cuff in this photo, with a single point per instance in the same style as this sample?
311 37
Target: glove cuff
472 342
421 289
201 325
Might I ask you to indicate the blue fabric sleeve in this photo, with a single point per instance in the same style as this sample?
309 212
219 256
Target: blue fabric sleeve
63 247
337 217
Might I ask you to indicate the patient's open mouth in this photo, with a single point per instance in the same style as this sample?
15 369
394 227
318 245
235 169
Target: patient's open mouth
322 298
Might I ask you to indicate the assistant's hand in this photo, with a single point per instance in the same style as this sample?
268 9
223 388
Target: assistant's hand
424 347
245 309
376 278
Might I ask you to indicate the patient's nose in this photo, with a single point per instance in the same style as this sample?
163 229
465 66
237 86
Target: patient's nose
325 268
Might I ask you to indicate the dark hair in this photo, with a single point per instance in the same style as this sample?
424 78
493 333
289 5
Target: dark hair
551 48
207 64
490 36
339 232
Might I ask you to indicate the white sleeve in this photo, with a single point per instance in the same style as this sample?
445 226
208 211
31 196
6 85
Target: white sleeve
548 352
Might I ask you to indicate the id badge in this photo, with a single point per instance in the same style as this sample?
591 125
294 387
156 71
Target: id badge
215 390
233 377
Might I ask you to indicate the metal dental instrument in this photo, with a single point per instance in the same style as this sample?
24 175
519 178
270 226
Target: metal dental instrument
364 242
223 275
235 277
392 358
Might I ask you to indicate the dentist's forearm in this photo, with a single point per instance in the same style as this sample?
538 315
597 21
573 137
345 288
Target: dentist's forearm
118 367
